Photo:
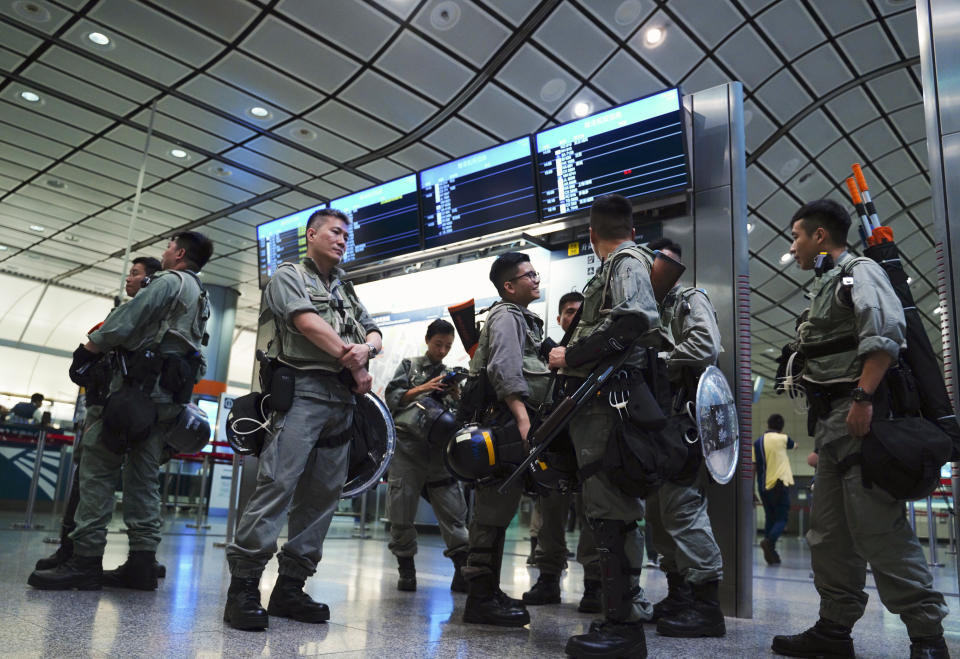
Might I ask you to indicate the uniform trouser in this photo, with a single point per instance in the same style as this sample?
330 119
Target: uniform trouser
492 513
590 430
295 474
99 472
851 526
552 541
415 467
776 509
536 518
678 521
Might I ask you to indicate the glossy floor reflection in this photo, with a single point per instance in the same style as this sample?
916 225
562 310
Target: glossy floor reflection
357 578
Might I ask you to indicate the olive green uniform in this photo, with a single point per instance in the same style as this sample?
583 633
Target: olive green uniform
850 525
508 349
304 461
677 512
417 466
168 317
620 287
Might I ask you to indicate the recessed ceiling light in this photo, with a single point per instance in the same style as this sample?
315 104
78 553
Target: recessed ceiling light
32 11
303 134
258 112
909 280
220 171
3 248
750 227
628 12
178 153
37 227
70 238
30 97
445 15
582 108
786 258
55 183
98 39
654 36
938 309
553 90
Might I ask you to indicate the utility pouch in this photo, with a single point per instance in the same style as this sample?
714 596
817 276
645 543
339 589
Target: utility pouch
473 398
819 402
128 417
282 380
904 394
642 407
177 376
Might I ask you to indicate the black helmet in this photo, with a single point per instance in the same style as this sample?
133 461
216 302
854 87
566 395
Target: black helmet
191 431
246 424
477 452
555 470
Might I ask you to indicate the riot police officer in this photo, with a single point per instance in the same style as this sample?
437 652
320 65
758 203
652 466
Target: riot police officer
155 342
508 353
619 313
850 335
322 340
677 511
420 400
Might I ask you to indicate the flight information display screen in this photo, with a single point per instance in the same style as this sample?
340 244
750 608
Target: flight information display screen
636 150
479 194
384 220
280 240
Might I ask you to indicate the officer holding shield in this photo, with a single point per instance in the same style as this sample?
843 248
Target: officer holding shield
417 465
321 334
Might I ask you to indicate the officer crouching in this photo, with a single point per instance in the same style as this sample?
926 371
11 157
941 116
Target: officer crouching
850 335
154 343
323 338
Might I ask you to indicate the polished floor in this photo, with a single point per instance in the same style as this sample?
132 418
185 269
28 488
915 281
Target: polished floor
370 618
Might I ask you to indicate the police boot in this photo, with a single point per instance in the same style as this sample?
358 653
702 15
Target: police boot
243 610
928 647
496 564
679 596
610 639
826 639
289 601
80 572
485 606
459 584
545 591
408 573
590 602
532 558
701 617
63 553
138 572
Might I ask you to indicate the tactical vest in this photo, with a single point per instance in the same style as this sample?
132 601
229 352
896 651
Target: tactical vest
596 305
828 336
675 307
184 322
407 417
339 307
535 369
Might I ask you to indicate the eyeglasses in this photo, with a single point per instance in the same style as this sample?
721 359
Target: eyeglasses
533 275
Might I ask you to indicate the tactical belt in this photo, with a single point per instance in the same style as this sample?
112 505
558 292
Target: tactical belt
445 482
831 391
831 347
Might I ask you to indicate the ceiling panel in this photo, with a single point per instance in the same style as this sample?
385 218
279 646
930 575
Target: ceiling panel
462 27
363 130
368 28
388 100
417 63
570 35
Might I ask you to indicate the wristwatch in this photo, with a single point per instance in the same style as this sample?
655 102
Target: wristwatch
860 395
373 351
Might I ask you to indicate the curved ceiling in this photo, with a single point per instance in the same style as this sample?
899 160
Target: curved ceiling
360 91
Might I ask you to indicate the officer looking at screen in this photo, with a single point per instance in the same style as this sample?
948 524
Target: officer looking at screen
154 341
323 338
416 392
850 335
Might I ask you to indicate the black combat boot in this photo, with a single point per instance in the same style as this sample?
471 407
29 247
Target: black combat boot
770 554
408 573
79 572
289 601
532 558
459 584
702 617
63 553
590 602
928 647
826 639
485 606
679 597
243 610
138 572
610 639
545 591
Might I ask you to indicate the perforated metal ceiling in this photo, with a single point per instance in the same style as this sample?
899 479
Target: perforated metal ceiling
360 91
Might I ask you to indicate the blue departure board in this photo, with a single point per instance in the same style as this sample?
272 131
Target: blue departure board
280 240
384 220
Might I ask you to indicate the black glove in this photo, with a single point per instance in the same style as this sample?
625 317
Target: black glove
797 367
80 366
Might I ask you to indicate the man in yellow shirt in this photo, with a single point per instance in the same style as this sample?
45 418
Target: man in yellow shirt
774 479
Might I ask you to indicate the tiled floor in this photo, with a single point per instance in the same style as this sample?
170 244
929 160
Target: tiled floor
357 578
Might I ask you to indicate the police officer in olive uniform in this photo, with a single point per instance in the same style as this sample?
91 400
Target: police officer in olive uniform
677 511
508 350
417 464
96 387
323 334
155 340
850 335
619 307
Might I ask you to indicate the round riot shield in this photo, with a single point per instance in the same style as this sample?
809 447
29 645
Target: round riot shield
372 442
717 425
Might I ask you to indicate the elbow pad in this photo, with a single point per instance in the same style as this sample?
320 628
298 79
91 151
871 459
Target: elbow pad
623 331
